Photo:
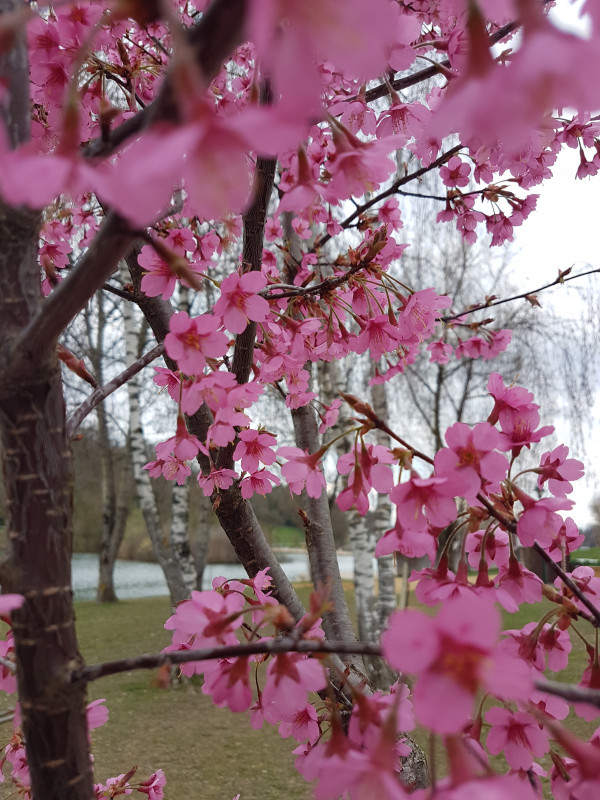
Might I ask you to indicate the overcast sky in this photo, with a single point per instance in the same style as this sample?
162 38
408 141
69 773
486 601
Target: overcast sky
563 232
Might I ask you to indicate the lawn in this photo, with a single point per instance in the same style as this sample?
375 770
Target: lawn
206 752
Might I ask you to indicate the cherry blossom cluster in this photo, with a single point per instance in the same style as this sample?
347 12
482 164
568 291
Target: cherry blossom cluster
92 69
460 661
348 130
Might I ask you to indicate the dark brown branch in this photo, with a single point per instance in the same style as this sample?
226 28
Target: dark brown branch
270 646
574 694
324 287
218 33
391 191
523 296
398 84
595 612
102 392
255 218
511 526
100 260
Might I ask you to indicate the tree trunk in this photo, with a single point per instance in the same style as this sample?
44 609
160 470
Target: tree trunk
201 548
39 492
383 520
178 588
38 482
108 548
179 541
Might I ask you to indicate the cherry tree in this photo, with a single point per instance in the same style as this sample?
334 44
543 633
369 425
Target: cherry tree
185 128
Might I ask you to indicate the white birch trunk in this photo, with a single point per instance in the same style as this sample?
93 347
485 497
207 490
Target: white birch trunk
178 587
179 539
383 521
361 543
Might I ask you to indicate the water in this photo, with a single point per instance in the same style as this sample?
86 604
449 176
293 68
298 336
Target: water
144 579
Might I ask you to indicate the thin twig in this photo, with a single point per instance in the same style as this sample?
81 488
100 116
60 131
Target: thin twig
269 646
523 296
325 286
101 393
570 583
391 191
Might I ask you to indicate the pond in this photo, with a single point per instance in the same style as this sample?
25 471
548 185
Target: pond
145 579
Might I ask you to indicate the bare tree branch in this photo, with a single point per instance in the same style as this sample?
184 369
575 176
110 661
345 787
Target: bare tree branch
270 646
391 191
112 242
218 33
562 278
102 392
574 694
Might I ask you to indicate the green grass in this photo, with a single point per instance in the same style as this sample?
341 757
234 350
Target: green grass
206 752
287 536
592 553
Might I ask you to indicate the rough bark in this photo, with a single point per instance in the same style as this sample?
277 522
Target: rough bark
38 483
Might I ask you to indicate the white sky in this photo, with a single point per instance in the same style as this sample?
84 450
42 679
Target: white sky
564 231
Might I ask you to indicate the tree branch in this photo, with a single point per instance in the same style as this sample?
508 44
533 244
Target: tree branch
100 260
102 392
391 191
511 526
574 694
562 278
218 33
398 84
269 646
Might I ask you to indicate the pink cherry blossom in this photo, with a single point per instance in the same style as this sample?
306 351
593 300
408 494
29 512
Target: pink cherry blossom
290 677
227 681
191 341
566 540
506 398
97 714
418 314
453 655
558 470
518 735
455 173
216 479
260 482
419 500
537 644
367 469
411 543
519 428
183 445
239 301
159 278
253 448
153 787
516 584
495 544
539 521
301 470
470 463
